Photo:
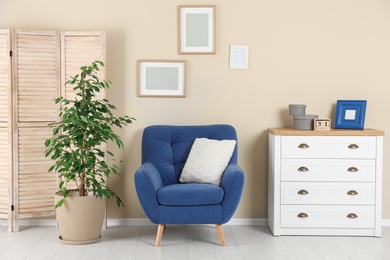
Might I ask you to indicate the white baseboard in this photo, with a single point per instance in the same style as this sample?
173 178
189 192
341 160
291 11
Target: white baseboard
145 221
131 221
385 222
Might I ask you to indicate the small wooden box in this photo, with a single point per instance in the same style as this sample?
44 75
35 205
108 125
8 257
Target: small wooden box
322 124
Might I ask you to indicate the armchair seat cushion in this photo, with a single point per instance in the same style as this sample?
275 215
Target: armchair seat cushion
190 194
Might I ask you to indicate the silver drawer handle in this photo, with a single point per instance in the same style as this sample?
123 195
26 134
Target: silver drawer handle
353 169
352 192
303 146
352 215
353 146
303 192
302 215
303 169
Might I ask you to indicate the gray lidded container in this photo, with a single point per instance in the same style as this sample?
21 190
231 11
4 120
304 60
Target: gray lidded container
297 109
304 122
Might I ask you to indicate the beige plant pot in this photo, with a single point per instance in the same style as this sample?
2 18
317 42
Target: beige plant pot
80 219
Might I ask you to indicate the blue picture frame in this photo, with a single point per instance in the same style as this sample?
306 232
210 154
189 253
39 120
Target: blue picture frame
350 114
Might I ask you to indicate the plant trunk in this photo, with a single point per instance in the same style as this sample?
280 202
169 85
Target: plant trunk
81 189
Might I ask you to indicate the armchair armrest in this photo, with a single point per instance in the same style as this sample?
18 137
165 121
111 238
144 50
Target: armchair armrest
232 182
147 181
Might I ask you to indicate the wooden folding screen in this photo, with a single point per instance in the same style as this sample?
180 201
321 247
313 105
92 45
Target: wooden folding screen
36 83
5 127
41 61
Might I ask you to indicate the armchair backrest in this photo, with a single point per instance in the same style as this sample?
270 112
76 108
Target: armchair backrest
167 147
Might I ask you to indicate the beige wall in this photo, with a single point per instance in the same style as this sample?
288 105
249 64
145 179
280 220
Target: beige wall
301 51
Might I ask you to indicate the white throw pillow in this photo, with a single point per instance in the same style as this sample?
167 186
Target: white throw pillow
207 161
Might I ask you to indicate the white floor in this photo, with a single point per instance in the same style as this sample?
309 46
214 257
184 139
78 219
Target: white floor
191 242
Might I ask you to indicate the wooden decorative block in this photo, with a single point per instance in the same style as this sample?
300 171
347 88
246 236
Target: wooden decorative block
322 124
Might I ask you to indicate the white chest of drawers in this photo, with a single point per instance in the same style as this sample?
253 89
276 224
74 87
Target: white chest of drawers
325 182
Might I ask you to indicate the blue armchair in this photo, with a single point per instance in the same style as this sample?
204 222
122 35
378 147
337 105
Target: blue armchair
167 201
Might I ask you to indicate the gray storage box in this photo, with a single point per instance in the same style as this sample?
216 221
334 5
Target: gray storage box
304 122
297 109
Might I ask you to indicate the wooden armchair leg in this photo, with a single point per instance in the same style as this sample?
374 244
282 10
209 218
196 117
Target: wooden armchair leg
160 231
220 234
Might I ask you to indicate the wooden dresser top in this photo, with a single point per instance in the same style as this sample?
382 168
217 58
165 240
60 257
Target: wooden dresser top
332 132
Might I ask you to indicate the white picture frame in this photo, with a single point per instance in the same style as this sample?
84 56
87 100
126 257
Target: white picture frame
196 29
239 56
161 78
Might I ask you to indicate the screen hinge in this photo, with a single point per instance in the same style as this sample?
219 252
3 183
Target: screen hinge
12 208
10 53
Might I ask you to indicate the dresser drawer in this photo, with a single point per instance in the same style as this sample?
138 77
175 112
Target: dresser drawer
328 170
328 147
322 193
312 216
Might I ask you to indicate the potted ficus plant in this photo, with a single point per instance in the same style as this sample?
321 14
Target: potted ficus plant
85 125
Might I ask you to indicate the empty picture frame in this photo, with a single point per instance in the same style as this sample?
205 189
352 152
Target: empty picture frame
196 29
162 78
239 55
350 114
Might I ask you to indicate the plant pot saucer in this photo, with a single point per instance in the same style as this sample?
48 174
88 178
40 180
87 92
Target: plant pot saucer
79 242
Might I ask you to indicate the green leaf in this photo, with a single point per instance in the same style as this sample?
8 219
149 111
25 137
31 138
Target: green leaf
48 152
64 191
47 142
119 202
55 130
60 203
51 168
84 119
